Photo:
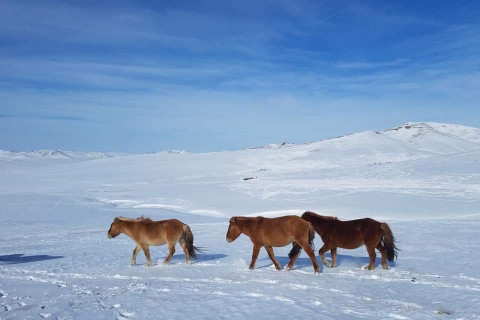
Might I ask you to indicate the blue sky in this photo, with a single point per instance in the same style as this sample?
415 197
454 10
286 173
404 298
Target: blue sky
220 75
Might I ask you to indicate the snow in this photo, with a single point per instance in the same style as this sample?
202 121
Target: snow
56 261
438 137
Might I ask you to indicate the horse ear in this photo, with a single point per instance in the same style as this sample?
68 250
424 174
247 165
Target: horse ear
232 220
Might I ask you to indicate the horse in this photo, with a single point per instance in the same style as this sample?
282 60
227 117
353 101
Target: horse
275 232
145 232
351 235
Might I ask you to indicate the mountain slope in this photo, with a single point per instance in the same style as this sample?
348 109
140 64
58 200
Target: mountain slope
416 171
437 137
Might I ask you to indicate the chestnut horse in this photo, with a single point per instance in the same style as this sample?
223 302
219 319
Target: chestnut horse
276 232
351 235
147 232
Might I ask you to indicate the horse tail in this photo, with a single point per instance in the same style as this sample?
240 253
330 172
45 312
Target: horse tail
311 235
388 242
188 238
296 249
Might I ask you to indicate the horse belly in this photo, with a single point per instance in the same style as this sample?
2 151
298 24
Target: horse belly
280 242
351 245
154 240
349 241
157 242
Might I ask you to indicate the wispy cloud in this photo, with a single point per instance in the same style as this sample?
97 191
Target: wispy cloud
370 65
43 117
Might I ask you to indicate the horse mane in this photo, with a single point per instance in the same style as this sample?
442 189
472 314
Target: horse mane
316 215
139 219
243 218
248 221
330 217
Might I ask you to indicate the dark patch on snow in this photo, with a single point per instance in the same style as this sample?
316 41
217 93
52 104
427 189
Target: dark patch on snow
21 258
443 311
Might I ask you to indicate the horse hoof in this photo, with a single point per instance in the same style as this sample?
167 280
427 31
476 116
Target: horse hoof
385 267
368 268
317 271
251 268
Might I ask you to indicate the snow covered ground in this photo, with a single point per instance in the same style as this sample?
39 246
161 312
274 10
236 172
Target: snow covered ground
422 178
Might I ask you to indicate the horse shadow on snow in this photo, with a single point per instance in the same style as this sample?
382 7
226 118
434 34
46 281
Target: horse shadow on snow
201 257
180 258
21 258
343 260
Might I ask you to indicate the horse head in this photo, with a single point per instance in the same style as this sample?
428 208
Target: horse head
115 229
233 230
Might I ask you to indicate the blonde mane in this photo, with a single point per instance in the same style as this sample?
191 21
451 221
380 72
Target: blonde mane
142 218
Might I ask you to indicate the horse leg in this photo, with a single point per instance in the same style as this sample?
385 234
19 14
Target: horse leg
256 250
372 255
147 254
308 250
272 257
333 252
383 252
134 257
321 252
171 249
295 248
185 249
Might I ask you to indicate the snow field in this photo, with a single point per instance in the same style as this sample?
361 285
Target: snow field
56 261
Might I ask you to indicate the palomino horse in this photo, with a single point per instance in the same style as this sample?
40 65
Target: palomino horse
351 235
146 232
276 232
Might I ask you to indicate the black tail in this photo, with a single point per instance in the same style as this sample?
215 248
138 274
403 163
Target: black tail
296 249
388 242
188 237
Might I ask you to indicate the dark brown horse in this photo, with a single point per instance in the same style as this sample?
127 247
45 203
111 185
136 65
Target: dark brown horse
276 232
351 235
146 232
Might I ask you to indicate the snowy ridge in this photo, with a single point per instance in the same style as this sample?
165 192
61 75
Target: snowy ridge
454 130
413 137
56 155
409 141
434 166
275 146
63 154
437 137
